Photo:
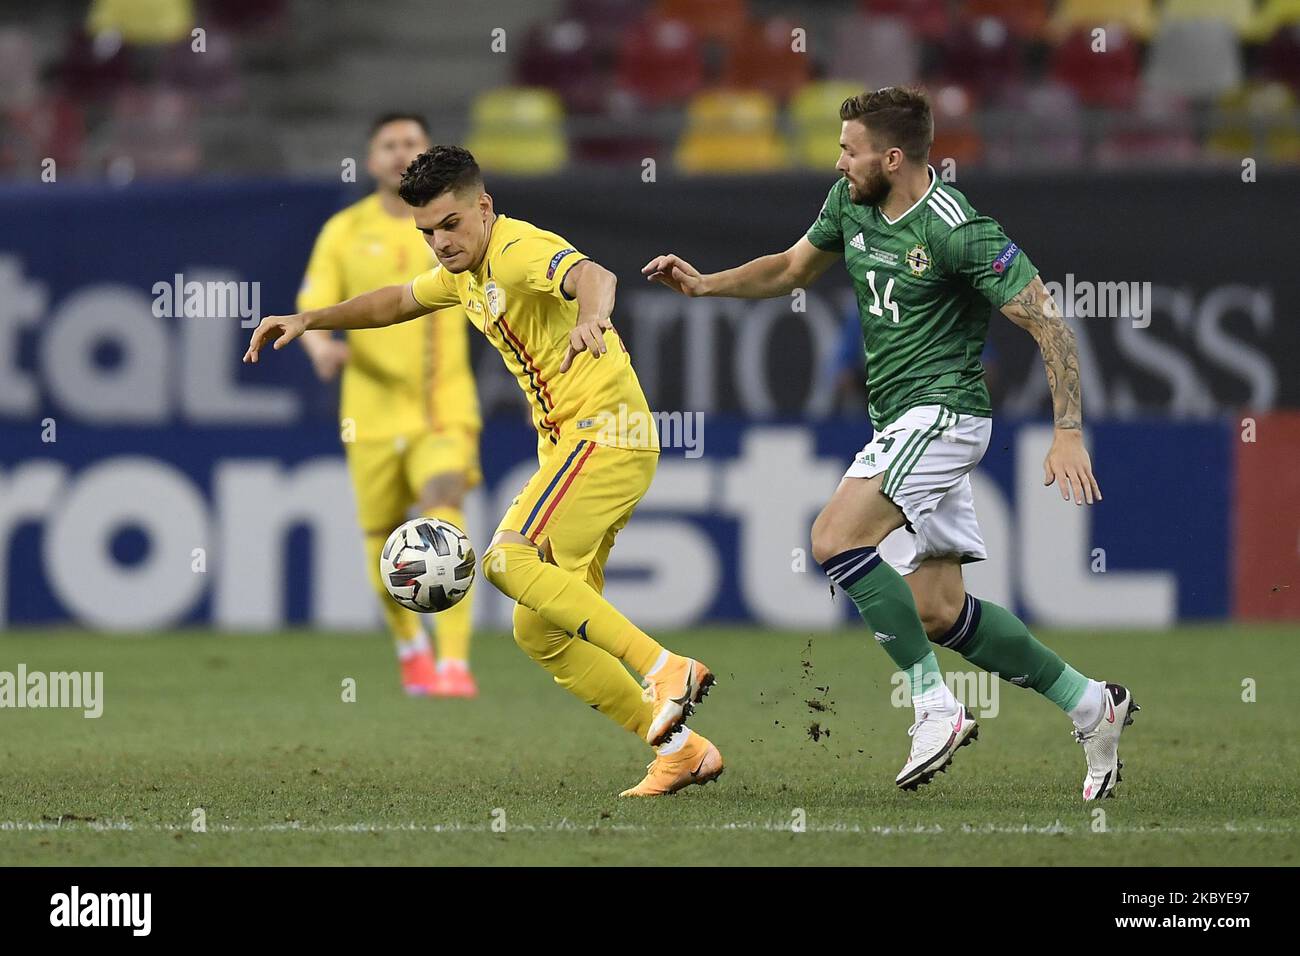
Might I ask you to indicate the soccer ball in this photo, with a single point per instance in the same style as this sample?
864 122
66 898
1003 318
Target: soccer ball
427 565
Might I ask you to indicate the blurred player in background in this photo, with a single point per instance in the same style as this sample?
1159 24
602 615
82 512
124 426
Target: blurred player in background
546 308
896 532
409 411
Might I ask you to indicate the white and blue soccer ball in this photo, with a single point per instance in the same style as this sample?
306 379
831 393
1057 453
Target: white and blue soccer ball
427 565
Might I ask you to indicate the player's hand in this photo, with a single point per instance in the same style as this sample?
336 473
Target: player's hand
1069 466
327 357
283 328
676 273
587 336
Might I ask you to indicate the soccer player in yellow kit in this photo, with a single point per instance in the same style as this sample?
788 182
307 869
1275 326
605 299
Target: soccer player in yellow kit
546 308
408 409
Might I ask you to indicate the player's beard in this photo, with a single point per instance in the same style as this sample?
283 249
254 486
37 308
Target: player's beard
874 191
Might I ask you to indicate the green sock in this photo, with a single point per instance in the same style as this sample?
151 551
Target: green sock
993 638
885 602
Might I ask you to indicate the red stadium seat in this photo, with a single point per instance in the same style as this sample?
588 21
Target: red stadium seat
929 19
606 22
562 55
720 21
956 136
1100 79
1026 19
1281 57
660 62
94 68
765 60
152 132
1036 127
982 56
1158 131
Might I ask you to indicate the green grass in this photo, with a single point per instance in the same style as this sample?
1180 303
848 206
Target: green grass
253 730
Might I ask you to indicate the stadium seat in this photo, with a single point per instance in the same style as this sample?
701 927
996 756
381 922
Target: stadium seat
1137 17
518 130
606 22
1239 14
928 19
814 116
1280 58
660 62
152 132
1199 59
956 137
765 60
729 131
561 55
1157 131
142 22
214 75
1036 128
983 57
714 21
95 68
1104 80
1256 121
19 77
875 52
1026 19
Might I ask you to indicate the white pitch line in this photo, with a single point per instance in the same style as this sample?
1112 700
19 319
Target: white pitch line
126 826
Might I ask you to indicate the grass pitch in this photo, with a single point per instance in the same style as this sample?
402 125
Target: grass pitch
253 730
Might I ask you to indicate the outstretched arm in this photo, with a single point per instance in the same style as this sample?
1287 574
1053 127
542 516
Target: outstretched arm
1068 464
370 310
761 278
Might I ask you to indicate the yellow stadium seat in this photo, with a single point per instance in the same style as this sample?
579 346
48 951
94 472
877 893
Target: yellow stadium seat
142 22
1273 15
1240 14
815 121
1243 114
1137 16
518 130
729 131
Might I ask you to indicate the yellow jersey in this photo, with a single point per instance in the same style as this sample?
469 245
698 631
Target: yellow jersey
406 378
516 299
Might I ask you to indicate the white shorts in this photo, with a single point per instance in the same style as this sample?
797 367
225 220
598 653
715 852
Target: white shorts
927 455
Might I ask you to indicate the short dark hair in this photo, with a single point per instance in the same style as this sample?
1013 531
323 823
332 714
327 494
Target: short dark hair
398 117
436 171
897 116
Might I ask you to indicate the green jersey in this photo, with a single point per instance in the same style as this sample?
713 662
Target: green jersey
924 284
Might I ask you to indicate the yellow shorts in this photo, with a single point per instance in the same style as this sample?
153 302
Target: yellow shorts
388 475
579 500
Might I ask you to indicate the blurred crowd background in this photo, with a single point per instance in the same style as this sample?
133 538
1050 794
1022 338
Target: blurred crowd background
126 88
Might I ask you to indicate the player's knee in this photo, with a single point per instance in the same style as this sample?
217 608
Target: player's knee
507 550
533 636
829 540
443 491
938 613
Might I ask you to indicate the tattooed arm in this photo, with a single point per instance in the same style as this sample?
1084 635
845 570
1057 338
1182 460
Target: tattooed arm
1067 464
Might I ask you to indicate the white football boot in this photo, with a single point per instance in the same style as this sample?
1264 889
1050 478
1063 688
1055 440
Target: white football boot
1101 744
935 738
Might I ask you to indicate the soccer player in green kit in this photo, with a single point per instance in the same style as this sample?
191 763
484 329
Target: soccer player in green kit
901 524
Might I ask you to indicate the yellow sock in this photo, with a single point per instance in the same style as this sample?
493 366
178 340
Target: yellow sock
590 674
403 624
566 601
452 626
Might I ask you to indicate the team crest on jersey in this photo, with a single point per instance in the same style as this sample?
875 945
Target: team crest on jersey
918 260
495 297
